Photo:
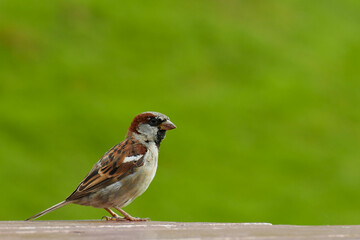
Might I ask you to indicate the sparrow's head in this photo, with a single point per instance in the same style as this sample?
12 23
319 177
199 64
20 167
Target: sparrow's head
150 127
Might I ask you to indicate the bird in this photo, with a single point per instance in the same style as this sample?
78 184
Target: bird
124 172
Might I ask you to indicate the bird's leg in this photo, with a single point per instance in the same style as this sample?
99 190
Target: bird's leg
114 217
129 217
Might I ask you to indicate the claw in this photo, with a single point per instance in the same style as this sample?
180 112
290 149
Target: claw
106 218
131 219
113 218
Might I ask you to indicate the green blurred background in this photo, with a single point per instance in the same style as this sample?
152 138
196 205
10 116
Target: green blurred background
265 95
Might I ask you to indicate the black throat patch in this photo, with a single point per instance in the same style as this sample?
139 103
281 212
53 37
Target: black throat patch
159 137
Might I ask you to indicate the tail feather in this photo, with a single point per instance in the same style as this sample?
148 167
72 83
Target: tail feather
56 206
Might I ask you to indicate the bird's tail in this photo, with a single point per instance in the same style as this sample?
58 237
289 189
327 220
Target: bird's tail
56 206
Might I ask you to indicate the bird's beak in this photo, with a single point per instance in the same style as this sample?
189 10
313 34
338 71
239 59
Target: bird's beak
167 125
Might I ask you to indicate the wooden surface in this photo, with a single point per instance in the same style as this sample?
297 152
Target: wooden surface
169 230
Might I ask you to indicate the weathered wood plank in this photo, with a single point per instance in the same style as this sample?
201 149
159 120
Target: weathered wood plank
75 230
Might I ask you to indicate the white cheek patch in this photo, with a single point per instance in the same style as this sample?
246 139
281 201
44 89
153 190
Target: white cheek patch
132 158
147 131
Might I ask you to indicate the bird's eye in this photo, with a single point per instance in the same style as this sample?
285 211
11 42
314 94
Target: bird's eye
154 121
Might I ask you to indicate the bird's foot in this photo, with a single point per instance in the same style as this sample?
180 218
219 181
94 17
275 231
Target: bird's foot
127 218
113 218
130 218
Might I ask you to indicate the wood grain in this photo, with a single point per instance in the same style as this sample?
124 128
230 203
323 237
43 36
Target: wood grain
169 230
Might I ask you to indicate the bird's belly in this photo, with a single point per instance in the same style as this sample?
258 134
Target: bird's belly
134 185
123 192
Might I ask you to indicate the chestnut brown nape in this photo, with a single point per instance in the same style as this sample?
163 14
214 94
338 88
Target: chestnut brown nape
143 118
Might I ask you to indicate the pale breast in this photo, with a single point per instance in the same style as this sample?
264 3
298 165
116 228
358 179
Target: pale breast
146 173
136 184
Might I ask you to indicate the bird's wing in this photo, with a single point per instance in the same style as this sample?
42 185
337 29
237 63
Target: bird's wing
118 162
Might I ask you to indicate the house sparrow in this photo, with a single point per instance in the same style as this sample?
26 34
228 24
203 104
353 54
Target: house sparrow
125 171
